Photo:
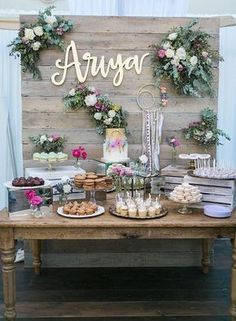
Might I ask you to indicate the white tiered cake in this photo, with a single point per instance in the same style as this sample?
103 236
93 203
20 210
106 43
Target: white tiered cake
115 148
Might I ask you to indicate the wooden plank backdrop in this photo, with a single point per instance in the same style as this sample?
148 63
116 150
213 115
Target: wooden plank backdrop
42 105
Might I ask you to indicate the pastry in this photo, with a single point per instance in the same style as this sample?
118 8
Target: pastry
83 208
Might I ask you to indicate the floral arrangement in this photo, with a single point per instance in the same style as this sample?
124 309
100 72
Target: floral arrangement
64 188
33 198
79 153
47 31
119 170
205 131
103 112
185 57
45 143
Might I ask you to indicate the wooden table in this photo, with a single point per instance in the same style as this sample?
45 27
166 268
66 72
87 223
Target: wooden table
107 226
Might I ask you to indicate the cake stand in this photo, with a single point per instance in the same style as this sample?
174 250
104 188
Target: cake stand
185 209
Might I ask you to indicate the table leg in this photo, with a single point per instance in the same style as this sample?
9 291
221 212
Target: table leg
233 281
7 246
206 246
36 252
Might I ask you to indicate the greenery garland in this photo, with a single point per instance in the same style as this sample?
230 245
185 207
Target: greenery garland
33 38
205 131
185 57
103 112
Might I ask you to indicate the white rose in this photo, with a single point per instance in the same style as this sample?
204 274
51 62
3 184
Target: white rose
108 121
50 139
36 45
166 45
98 116
90 100
172 36
38 30
50 19
66 188
181 53
175 61
143 159
43 138
72 92
209 60
92 89
29 34
111 113
209 135
170 53
193 60
65 179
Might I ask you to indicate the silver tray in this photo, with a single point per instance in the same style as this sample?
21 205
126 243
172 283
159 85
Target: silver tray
163 213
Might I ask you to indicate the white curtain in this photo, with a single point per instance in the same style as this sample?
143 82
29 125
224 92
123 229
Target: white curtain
156 8
226 154
10 115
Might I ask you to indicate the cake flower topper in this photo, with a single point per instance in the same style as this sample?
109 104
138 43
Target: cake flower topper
103 112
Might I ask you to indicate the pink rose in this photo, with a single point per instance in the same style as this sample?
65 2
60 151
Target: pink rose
205 54
36 200
161 53
180 68
76 153
55 137
84 154
29 194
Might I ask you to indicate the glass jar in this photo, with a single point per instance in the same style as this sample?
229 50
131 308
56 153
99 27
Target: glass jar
36 211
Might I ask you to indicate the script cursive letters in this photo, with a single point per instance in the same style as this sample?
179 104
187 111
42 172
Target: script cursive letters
96 66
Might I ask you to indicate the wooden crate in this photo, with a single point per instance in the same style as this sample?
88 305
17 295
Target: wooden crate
214 191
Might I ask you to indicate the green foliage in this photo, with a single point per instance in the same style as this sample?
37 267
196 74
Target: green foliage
185 57
205 131
33 38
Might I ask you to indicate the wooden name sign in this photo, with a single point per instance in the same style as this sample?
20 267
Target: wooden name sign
96 66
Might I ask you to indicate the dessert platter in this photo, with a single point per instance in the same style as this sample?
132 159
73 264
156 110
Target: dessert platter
137 208
80 210
115 147
185 194
25 183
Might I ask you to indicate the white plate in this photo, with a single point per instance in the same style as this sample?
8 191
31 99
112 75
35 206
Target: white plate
10 186
99 211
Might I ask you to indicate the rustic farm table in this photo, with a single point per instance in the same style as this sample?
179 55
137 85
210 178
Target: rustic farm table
107 226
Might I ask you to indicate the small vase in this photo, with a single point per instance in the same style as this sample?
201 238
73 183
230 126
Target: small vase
62 199
36 211
173 157
77 163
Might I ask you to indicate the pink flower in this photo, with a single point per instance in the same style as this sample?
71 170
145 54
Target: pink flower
59 31
84 154
29 194
161 53
55 137
36 200
76 153
175 142
118 142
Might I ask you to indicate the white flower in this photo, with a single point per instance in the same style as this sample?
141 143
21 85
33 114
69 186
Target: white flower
175 61
50 19
193 60
181 53
143 159
36 45
98 116
38 30
170 53
43 139
90 100
166 45
50 139
111 113
65 179
205 54
209 135
108 121
29 34
66 188
172 36
92 89
72 92
209 60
